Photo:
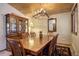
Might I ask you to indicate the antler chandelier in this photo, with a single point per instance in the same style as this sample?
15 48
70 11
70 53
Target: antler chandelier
41 12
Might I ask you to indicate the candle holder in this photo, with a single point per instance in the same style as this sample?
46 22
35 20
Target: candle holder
40 34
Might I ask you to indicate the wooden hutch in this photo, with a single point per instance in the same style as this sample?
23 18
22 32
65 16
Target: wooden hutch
16 25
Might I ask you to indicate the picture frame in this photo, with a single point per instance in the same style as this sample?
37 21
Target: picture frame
52 22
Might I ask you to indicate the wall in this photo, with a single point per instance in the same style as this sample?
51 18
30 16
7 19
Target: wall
75 39
4 9
63 26
39 24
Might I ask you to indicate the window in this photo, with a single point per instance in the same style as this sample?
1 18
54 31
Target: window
74 20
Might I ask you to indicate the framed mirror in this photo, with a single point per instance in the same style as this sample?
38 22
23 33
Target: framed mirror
52 25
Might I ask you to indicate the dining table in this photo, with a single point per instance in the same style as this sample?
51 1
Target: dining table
34 45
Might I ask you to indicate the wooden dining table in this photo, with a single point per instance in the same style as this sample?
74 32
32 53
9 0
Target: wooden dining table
34 45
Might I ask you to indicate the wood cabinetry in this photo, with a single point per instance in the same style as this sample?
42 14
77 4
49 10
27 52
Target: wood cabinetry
16 24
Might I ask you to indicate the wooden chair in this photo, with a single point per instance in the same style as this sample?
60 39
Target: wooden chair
33 34
24 35
56 40
22 49
52 46
16 48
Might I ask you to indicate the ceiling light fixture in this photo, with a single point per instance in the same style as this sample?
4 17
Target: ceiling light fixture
41 12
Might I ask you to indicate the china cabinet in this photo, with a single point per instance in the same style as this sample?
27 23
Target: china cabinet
16 24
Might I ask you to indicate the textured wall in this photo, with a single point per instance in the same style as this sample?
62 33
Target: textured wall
75 39
4 9
63 26
40 24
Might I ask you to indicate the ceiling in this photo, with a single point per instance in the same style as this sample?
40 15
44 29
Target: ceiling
51 8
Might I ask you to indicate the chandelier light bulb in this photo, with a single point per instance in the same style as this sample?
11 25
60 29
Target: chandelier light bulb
41 9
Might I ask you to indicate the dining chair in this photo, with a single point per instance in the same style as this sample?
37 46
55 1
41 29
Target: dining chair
24 35
27 34
16 48
33 34
52 46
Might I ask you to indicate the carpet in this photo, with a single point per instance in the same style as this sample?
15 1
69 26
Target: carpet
62 51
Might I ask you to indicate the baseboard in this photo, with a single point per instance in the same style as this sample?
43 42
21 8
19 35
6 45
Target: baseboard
74 51
62 44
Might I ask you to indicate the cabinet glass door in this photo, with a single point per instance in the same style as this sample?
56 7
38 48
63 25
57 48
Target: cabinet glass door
8 26
13 25
20 26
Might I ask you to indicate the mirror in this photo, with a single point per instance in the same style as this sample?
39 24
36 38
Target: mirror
52 25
